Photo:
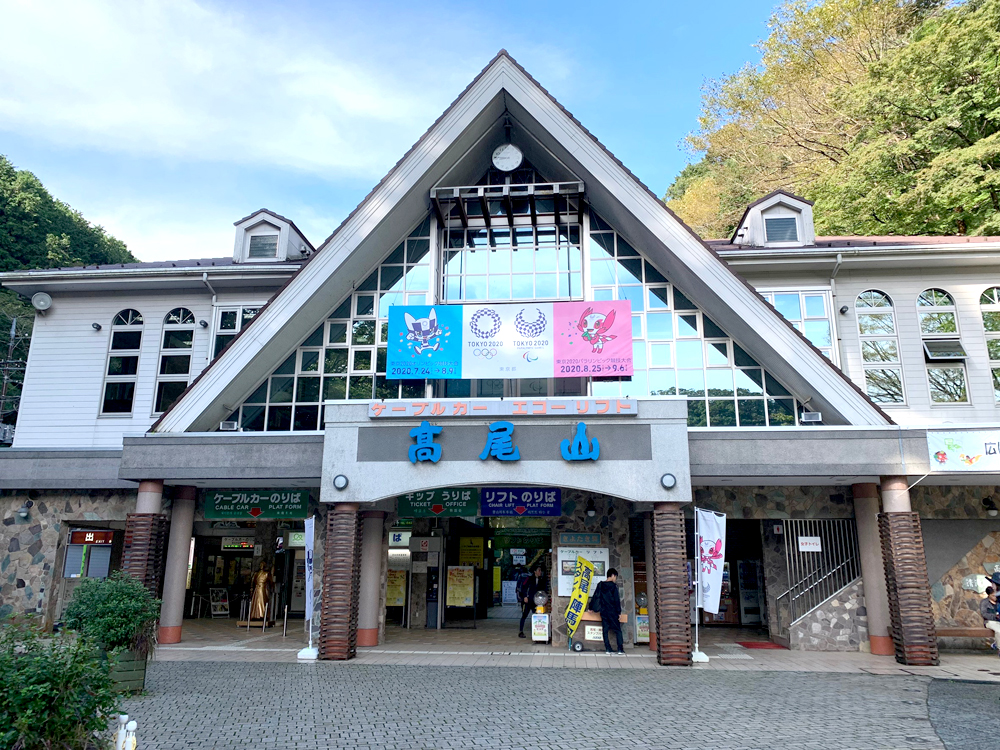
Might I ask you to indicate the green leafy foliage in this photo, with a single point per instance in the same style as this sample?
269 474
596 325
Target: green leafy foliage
57 690
115 613
38 231
885 113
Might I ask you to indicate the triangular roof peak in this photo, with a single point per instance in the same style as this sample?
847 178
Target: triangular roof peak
547 131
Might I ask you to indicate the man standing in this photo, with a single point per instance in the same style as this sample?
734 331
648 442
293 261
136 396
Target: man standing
608 603
527 592
988 610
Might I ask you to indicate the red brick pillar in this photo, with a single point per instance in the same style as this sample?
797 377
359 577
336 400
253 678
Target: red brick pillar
913 634
670 586
338 620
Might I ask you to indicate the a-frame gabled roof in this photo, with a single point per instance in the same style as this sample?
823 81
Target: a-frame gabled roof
400 200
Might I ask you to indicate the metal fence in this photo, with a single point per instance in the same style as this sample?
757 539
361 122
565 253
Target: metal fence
822 557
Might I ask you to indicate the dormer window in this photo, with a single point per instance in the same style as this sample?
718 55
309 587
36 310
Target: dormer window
779 219
263 246
781 229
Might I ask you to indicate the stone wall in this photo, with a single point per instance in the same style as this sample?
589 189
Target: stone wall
954 607
611 520
29 547
777 502
838 624
942 501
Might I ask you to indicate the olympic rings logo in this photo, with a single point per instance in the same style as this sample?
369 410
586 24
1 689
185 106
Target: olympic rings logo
485 353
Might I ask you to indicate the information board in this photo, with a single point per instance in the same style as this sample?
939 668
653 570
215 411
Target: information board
470 551
521 501
461 586
395 588
515 340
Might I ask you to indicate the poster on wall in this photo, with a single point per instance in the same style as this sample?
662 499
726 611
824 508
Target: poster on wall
964 450
395 588
219 600
519 340
600 557
470 551
461 586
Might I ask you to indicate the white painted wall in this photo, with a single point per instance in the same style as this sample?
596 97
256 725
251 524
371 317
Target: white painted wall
64 378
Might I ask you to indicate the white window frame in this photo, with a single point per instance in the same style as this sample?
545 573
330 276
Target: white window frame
263 229
217 323
132 378
992 307
827 294
942 364
173 352
866 337
781 211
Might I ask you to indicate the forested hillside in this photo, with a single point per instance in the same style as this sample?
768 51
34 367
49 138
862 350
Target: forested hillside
37 231
886 113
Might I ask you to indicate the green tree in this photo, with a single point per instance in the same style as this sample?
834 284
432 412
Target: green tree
791 120
927 159
38 231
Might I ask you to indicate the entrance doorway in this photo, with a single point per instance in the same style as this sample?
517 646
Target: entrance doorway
462 590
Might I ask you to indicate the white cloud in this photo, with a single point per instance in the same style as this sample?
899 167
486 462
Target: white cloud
181 80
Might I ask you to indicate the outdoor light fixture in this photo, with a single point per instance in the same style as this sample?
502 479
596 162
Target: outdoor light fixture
23 510
669 481
96 326
591 509
989 506
844 309
340 482
203 323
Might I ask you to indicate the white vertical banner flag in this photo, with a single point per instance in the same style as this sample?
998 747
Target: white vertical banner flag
310 537
711 557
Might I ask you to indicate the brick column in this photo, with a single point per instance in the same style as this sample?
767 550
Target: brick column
370 587
908 589
338 619
647 533
146 537
670 602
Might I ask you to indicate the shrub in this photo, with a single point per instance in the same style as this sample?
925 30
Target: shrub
58 692
115 613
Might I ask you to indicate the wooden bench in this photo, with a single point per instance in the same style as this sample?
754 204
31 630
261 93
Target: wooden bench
965 633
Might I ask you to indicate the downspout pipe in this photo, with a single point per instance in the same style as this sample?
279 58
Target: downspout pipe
204 279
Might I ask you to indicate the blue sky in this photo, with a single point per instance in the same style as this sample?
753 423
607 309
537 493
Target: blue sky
168 121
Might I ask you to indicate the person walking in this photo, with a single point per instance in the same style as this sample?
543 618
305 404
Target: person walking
988 610
608 603
526 594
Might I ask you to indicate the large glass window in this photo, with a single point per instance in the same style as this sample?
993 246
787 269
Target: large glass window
344 358
946 377
989 303
809 312
519 263
677 349
123 363
175 358
879 347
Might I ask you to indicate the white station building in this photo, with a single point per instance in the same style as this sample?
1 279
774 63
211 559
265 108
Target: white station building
836 397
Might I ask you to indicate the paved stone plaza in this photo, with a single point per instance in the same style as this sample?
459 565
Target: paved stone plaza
221 705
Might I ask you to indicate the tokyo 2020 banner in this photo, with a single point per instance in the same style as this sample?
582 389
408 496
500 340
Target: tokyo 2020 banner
519 340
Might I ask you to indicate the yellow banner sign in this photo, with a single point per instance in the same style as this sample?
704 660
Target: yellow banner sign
470 551
583 577
395 589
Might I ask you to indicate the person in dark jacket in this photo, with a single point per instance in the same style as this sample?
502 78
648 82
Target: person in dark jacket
988 611
608 603
526 595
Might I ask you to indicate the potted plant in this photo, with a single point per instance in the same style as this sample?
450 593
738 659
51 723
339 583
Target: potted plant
119 616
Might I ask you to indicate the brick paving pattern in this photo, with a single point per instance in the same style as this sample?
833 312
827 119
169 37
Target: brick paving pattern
222 705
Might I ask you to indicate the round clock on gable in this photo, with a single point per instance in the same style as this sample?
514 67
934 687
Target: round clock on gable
507 157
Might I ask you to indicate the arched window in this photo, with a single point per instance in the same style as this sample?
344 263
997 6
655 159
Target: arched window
989 303
175 358
123 363
942 347
879 347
